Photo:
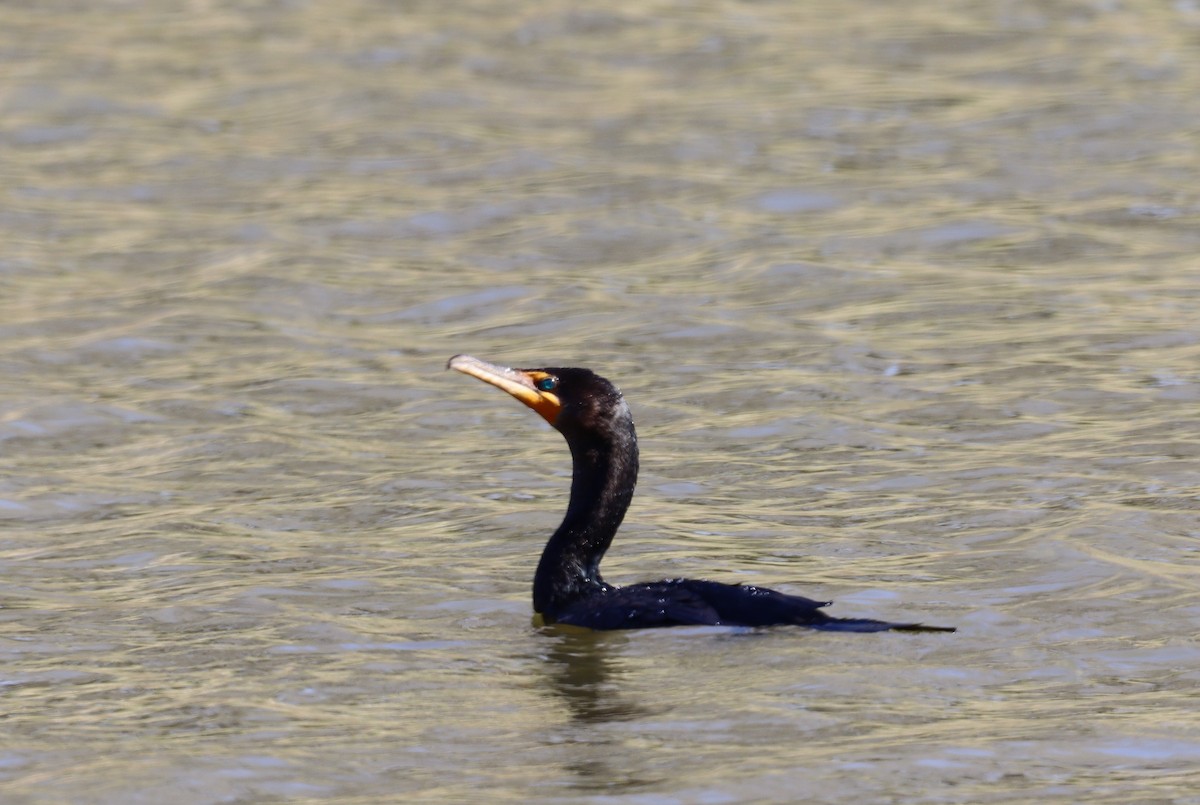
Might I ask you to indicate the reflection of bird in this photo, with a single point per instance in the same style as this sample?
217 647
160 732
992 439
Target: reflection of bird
586 672
591 413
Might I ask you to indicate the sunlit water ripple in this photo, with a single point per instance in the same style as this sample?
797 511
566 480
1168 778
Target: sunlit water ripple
904 300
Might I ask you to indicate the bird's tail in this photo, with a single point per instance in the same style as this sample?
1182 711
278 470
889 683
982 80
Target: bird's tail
868 625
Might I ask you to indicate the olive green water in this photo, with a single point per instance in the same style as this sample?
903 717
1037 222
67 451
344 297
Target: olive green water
905 298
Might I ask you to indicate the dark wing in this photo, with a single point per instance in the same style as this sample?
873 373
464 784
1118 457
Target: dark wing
642 606
692 602
759 606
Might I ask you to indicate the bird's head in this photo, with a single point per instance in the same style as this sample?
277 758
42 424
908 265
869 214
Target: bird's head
570 399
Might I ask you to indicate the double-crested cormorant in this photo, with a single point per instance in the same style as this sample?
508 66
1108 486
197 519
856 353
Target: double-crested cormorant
567 588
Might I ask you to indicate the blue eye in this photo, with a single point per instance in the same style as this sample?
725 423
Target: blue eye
547 384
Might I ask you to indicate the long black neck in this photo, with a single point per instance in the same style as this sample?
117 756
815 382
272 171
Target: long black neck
605 467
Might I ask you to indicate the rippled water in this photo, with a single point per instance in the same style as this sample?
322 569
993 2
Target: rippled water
904 297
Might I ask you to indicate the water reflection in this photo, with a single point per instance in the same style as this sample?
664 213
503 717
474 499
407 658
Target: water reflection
584 670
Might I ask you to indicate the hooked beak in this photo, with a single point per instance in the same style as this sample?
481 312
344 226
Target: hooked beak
520 383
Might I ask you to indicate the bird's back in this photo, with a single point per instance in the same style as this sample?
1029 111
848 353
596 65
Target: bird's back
694 602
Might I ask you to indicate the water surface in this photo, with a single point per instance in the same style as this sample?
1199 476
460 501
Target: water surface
904 299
